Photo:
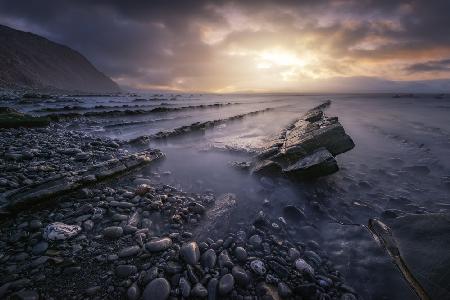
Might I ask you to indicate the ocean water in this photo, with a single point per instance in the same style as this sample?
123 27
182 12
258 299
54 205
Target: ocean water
400 164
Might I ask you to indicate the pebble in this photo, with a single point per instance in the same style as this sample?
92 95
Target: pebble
199 291
304 267
212 289
40 248
129 251
125 271
113 232
283 290
185 287
241 254
60 231
157 289
158 244
255 240
258 267
133 292
226 284
35 225
208 259
241 276
190 253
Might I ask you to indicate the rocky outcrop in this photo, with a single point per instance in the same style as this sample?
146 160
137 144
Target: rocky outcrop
10 118
35 194
306 149
31 62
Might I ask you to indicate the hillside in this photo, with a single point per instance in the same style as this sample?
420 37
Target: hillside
29 61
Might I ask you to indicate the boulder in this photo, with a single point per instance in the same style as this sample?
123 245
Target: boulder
317 164
60 231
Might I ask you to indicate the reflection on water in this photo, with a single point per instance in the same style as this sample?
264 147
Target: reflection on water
399 165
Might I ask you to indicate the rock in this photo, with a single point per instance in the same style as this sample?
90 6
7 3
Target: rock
35 225
293 213
304 267
241 254
266 168
113 232
185 287
226 284
133 292
40 248
258 267
348 296
255 240
26 295
283 290
212 289
88 225
199 291
129 251
158 244
125 271
157 289
60 231
190 253
91 291
208 259
241 276
225 260
319 163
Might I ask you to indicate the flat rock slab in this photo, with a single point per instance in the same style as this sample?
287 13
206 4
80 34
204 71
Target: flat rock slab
420 246
34 194
305 149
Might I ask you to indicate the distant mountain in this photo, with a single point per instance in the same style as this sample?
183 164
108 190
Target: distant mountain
29 61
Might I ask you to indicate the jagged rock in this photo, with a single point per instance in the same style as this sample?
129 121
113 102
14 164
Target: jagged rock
11 118
306 148
60 231
317 164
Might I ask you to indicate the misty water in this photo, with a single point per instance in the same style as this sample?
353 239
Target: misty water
399 165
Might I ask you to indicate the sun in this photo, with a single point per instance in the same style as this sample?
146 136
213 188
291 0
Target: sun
278 58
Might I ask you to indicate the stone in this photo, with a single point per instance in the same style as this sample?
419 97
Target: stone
255 240
212 288
226 284
60 231
35 225
258 267
293 213
199 291
125 271
129 251
26 295
317 164
190 253
241 276
40 248
133 292
157 289
304 267
241 254
225 260
266 168
208 259
113 232
158 244
88 225
283 290
185 287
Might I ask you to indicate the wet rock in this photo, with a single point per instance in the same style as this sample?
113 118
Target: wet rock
185 287
241 276
319 163
225 260
241 254
199 291
125 271
40 248
258 267
293 213
35 225
158 244
266 168
157 289
283 290
208 258
26 295
133 292
60 231
129 251
113 232
91 291
190 253
304 267
212 289
226 284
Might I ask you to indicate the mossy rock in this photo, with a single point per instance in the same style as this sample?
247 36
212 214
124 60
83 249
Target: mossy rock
11 118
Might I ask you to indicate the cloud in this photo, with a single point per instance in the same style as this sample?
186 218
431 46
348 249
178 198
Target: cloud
212 45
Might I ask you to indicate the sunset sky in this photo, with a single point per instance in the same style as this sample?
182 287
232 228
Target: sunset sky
228 46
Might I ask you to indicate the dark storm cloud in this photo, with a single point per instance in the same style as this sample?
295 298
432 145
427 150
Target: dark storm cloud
157 42
430 66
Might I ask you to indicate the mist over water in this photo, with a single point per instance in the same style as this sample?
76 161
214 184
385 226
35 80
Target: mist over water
399 165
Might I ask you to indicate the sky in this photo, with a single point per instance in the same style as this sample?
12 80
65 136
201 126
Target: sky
260 46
